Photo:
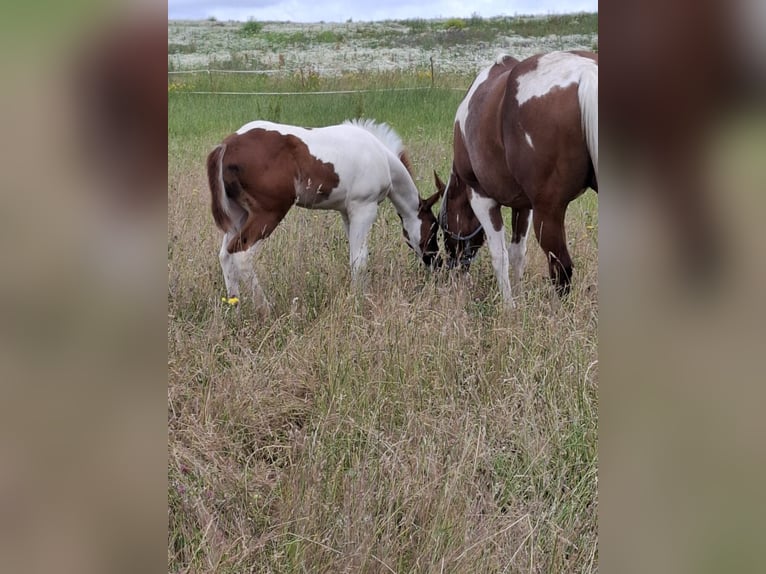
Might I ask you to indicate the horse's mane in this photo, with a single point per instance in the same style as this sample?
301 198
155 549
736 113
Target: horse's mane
386 135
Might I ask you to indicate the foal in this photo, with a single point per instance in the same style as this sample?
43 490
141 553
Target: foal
258 173
525 137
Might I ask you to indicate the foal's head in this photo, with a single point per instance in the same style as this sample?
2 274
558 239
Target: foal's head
429 232
463 234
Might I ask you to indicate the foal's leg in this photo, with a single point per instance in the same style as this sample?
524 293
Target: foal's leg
238 266
517 251
488 213
548 222
238 249
360 220
344 217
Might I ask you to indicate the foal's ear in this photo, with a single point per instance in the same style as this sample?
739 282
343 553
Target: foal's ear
439 183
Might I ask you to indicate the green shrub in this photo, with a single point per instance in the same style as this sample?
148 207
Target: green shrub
454 24
251 28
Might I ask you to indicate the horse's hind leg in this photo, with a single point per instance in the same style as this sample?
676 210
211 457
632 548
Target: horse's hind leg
230 265
488 213
517 251
237 267
237 253
548 222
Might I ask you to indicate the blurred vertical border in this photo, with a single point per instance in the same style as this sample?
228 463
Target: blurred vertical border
83 287
682 454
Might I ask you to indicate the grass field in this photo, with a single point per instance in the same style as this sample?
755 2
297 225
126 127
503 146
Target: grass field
418 428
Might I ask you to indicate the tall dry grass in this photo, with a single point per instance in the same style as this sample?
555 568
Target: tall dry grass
417 427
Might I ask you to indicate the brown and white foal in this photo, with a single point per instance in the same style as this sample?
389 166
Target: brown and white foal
258 173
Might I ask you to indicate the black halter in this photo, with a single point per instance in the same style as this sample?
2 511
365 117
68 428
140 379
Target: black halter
443 224
468 252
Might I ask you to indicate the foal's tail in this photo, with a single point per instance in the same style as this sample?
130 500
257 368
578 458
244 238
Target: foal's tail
218 197
387 136
587 93
227 212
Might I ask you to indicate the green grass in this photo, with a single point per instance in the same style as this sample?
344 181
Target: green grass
416 428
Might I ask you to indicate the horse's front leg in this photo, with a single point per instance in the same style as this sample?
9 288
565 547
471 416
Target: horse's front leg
360 218
488 213
548 222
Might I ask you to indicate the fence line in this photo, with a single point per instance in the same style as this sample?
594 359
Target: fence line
210 72
366 91
278 71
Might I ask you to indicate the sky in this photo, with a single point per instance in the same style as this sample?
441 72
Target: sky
366 10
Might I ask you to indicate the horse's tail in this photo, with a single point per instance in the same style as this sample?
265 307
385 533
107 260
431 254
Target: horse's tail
387 136
227 213
587 93
218 197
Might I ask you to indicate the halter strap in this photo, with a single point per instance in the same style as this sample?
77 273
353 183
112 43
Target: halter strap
443 224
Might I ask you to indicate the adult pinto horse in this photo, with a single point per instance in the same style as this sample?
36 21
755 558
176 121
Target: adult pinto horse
525 137
258 173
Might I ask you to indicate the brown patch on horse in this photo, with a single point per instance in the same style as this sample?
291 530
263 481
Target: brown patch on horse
569 167
496 217
485 172
519 224
429 226
264 173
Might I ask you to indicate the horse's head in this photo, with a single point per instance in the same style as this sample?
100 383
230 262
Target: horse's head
463 234
429 232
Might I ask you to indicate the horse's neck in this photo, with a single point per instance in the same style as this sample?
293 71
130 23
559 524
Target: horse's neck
404 196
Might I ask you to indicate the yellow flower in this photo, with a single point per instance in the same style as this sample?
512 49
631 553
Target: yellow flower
230 300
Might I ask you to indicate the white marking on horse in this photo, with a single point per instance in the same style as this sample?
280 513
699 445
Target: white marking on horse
529 140
517 252
554 70
462 110
496 241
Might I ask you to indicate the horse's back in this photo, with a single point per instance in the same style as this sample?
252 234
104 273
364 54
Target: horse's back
320 167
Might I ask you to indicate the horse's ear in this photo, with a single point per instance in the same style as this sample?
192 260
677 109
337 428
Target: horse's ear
439 183
428 203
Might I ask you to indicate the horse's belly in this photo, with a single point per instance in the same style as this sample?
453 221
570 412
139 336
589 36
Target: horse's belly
318 199
506 191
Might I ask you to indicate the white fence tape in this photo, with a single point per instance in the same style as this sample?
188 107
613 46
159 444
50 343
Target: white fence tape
308 92
280 71
313 93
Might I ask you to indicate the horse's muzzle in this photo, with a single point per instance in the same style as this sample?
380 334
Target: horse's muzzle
463 260
433 262
463 263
